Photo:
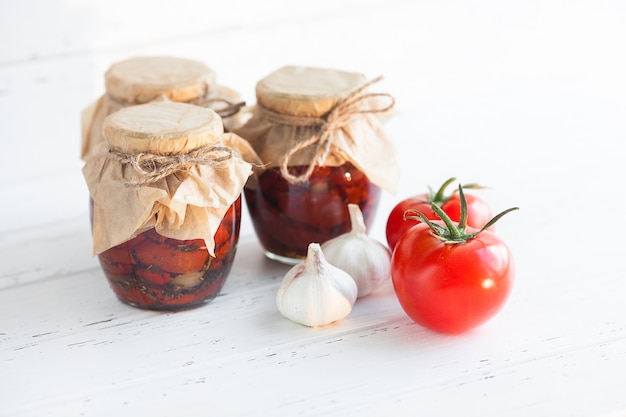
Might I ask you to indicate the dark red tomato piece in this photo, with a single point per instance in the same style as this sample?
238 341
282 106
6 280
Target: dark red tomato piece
287 217
175 257
451 287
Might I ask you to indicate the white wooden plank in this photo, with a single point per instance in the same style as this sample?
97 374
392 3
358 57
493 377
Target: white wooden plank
241 333
529 97
374 356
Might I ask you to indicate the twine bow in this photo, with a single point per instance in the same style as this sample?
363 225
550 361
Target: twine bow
340 115
152 167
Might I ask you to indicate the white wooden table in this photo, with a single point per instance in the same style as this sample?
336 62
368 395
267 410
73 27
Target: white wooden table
526 97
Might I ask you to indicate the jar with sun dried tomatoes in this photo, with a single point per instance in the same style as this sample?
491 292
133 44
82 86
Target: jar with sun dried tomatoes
166 199
318 133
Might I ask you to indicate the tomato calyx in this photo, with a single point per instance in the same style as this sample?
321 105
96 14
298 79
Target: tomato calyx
440 196
451 233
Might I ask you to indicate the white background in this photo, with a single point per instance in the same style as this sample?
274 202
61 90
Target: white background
527 97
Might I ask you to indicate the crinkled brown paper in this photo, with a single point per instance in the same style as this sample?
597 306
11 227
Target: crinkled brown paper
186 205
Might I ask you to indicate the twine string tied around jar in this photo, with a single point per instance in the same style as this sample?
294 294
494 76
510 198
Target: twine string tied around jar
151 167
339 116
228 109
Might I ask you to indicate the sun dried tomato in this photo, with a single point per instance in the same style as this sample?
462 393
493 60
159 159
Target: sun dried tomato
287 217
156 272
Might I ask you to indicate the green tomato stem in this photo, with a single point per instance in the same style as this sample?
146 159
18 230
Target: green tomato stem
440 198
452 233
496 218
463 217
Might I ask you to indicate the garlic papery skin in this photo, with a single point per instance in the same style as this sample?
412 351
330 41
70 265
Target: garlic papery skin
365 259
315 293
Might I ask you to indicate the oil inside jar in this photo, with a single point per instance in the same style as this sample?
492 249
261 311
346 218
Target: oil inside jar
159 273
287 217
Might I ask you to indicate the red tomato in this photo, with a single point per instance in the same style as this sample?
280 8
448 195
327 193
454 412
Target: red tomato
478 212
451 287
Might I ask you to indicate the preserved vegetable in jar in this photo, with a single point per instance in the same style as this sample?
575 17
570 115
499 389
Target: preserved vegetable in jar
319 136
157 272
166 202
287 217
140 80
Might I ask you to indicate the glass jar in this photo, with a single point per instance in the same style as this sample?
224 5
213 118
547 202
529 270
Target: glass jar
155 272
140 80
320 140
166 203
287 217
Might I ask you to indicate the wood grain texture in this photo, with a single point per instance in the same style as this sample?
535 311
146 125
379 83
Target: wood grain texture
528 98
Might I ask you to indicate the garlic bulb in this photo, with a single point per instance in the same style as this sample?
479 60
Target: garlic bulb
314 292
365 259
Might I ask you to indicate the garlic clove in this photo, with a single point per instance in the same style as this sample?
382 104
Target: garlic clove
365 259
314 292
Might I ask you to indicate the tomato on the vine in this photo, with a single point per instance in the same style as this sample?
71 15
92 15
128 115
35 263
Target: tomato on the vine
450 277
478 212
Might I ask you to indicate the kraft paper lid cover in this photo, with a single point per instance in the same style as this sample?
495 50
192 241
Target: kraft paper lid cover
308 116
167 166
142 79
161 127
306 91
